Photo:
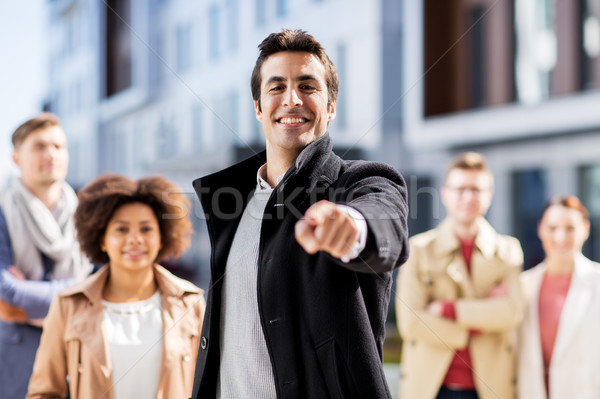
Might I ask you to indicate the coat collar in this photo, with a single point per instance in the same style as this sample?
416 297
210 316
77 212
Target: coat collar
313 162
576 306
448 241
93 286
85 325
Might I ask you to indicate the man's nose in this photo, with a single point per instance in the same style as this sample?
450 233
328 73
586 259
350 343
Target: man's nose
292 99
50 151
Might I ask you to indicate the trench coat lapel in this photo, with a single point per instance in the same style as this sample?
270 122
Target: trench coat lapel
448 245
176 323
84 326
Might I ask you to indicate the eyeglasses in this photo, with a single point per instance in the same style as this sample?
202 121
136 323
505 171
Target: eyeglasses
474 191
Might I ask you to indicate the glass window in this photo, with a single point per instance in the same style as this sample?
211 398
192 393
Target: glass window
166 138
118 46
184 48
233 24
468 55
213 21
529 197
113 150
536 50
589 183
590 44
477 59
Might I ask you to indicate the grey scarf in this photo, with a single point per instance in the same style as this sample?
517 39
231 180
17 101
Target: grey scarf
33 228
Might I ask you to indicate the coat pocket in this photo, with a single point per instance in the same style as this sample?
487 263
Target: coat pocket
334 370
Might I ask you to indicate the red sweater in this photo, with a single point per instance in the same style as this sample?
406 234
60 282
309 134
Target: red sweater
553 293
460 372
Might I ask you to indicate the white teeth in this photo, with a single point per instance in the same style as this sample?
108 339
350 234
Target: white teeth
288 121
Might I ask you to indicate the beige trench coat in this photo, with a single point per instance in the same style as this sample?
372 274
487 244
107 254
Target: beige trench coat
436 271
73 345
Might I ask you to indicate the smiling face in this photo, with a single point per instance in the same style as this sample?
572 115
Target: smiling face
293 98
132 239
563 231
42 157
467 194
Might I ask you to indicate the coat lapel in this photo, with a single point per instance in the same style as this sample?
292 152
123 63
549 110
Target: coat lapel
85 325
177 324
483 250
457 270
530 330
575 307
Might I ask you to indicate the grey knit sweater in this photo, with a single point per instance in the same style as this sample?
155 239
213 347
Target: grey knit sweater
245 369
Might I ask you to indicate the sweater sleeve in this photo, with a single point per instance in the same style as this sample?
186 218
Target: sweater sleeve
33 296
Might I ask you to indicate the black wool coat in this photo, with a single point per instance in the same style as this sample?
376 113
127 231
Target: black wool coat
323 320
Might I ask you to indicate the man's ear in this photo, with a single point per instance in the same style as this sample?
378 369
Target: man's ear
15 157
331 111
258 110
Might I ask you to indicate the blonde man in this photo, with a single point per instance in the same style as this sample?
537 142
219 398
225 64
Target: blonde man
458 297
38 252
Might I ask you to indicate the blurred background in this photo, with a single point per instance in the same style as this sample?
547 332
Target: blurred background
162 87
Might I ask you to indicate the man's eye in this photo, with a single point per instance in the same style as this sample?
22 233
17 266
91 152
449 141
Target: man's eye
276 88
307 87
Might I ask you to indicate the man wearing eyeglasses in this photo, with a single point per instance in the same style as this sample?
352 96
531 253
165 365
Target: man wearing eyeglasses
458 299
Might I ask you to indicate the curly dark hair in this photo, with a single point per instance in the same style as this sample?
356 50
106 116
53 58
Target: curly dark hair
99 200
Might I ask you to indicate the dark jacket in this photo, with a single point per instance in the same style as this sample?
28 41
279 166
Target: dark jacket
19 341
323 320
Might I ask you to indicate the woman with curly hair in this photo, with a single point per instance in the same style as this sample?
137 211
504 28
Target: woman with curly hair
131 330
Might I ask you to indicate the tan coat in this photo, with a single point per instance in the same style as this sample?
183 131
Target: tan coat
436 271
73 344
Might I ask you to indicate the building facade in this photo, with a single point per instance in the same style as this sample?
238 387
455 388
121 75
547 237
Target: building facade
518 81
163 86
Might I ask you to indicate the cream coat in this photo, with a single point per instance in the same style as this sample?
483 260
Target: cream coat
436 271
73 341
575 364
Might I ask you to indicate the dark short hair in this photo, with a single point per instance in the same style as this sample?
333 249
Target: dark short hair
99 200
43 120
568 201
294 40
468 161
